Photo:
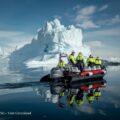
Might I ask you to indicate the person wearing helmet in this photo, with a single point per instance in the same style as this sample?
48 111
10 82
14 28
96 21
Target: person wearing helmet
80 61
91 61
72 58
61 64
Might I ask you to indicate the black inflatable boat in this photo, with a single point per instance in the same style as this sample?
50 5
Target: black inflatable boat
58 75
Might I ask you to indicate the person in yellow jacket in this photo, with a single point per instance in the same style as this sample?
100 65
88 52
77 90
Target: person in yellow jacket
72 58
91 61
98 61
97 93
80 57
61 64
90 97
80 61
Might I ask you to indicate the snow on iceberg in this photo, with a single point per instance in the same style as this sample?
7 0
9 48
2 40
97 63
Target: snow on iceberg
51 39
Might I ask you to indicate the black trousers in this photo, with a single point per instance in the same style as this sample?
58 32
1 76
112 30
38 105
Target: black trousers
80 65
91 64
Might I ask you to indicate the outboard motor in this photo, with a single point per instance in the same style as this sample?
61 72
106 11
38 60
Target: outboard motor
56 73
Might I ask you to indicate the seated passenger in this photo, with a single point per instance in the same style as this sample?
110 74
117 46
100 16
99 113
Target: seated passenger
98 61
91 61
61 64
80 61
72 58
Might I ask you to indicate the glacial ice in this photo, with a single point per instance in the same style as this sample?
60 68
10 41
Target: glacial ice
51 39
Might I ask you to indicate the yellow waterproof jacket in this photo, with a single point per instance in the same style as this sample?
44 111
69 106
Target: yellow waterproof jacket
80 57
72 99
91 59
98 62
79 102
61 64
97 93
61 94
72 59
90 98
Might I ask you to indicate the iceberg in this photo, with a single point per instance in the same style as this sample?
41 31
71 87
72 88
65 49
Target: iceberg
53 38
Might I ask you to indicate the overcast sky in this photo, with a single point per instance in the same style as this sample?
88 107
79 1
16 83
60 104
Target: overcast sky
99 20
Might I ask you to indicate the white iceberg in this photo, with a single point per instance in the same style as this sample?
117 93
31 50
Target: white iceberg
52 39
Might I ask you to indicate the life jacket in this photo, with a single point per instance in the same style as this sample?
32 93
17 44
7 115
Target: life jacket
61 64
79 102
61 94
90 98
72 59
97 93
98 62
72 99
79 57
91 59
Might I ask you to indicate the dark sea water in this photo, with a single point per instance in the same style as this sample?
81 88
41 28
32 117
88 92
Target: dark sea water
23 97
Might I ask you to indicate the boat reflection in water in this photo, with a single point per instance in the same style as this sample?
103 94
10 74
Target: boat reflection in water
76 94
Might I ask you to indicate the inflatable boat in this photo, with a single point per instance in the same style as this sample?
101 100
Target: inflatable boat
74 75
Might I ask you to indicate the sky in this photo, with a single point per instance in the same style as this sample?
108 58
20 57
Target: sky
98 19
